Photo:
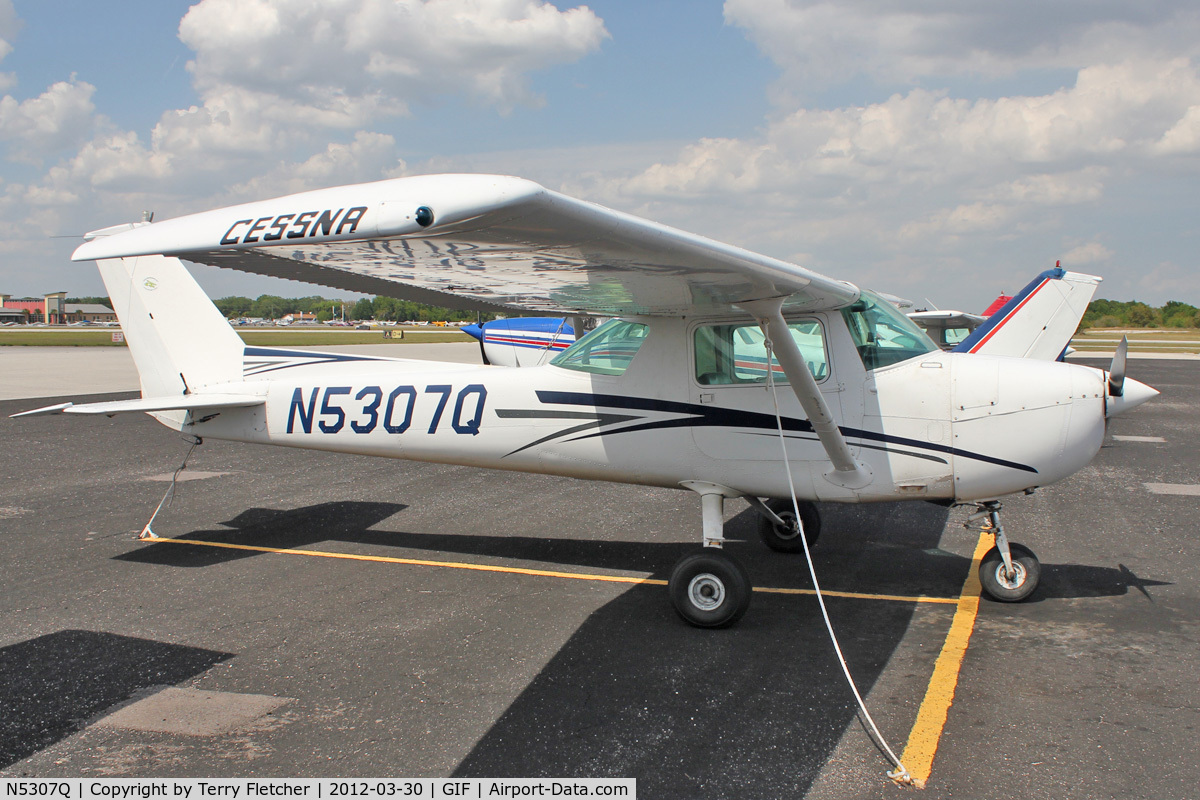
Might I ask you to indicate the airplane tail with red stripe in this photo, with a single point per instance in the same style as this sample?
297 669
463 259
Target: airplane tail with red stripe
1039 321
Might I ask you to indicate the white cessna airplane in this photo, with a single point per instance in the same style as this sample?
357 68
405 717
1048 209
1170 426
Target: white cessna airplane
673 391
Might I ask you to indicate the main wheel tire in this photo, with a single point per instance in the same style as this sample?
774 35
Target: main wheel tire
1027 569
787 540
710 589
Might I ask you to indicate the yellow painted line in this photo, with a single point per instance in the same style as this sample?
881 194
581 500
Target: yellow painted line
541 573
896 598
939 696
418 562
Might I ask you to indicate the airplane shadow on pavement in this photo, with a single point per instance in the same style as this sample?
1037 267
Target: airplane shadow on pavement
754 711
751 711
267 527
51 685
882 548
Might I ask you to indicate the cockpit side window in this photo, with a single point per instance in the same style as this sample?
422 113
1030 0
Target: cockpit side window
737 354
608 350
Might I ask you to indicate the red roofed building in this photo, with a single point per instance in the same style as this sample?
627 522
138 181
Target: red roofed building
52 308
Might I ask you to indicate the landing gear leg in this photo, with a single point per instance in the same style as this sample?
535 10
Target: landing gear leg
1009 572
710 589
779 528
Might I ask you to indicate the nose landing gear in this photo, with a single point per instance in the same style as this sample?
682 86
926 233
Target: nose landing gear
779 529
1009 572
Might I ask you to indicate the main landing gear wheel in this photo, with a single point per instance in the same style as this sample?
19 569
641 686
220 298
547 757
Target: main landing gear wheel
709 589
786 539
1005 587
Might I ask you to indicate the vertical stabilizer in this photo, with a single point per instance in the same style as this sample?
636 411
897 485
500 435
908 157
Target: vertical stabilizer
178 338
1039 321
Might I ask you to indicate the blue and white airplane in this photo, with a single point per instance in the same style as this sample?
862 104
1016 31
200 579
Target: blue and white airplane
859 405
522 341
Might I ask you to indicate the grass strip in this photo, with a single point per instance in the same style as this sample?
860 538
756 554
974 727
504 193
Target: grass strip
46 337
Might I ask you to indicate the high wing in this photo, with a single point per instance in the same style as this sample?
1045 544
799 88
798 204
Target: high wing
947 319
477 242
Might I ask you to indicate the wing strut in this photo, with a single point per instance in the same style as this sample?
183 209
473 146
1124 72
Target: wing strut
846 471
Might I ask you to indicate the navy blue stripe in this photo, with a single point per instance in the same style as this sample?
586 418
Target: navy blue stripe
923 456
705 416
312 354
309 358
995 319
531 324
540 345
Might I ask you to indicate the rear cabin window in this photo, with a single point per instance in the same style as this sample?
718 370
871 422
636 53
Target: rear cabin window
608 350
737 354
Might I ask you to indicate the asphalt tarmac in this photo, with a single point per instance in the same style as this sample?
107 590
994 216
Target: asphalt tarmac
313 663
27 372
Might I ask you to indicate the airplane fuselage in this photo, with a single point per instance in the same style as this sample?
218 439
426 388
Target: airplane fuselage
941 426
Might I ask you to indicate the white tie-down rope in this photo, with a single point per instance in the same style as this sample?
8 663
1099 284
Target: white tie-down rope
900 773
148 532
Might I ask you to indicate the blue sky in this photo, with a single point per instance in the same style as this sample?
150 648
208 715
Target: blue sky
948 150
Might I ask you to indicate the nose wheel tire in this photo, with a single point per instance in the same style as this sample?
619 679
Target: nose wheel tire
709 589
786 539
999 585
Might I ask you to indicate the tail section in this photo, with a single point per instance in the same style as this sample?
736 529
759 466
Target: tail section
179 340
522 341
1039 321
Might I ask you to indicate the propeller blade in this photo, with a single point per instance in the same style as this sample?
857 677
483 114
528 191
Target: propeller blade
1116 373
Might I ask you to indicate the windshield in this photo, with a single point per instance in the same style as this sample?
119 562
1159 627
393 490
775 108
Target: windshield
606 350
882 334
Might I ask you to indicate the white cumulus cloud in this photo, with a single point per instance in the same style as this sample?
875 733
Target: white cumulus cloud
927 138
277 79
938 177
818 43
9 25
1088 253
371 156
58 118
344 62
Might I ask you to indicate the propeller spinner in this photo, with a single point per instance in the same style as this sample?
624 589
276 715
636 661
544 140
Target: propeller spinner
1123 394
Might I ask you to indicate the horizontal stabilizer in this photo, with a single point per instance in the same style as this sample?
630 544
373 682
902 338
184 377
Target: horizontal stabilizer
188 402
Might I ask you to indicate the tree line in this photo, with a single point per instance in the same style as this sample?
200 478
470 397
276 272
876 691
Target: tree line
1135 314
379 308
1100 314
